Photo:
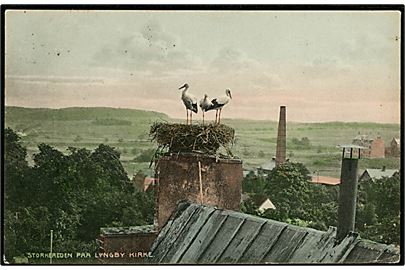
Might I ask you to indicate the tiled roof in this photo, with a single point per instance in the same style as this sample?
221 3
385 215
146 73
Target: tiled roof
203 234
319 179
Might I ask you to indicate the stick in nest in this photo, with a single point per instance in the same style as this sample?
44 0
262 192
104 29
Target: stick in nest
186 138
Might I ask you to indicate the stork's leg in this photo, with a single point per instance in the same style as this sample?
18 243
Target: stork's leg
203 117
216 116
219 116
191 117
187 116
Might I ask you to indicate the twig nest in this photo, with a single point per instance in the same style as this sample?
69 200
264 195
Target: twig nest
191 138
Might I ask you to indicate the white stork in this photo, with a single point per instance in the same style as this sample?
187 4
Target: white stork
219 103
189 101
205 104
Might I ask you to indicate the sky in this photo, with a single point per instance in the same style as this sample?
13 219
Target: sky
324 66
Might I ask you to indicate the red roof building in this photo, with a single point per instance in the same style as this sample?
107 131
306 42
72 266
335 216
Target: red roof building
326 180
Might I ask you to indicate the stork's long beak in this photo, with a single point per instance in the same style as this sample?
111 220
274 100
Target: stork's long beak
230 95
182 87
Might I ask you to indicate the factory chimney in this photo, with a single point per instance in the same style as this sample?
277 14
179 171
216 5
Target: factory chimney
281 137
347 192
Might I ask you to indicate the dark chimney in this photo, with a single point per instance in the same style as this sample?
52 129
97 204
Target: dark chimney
281 137
347 193
383 169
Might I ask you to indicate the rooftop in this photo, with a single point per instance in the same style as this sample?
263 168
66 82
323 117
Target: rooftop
379 173
319 179
203 234
268 165
127 230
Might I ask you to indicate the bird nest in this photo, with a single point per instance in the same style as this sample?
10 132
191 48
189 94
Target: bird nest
192 138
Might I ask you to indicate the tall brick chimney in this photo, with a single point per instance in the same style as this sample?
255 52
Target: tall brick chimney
199 178
281 137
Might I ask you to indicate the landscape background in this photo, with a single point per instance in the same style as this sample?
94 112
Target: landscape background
128 131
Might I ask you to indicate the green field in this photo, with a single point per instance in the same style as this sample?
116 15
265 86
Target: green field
127 130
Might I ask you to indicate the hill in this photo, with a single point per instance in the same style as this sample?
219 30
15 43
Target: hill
127 130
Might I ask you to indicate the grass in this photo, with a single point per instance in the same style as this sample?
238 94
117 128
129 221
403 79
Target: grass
255 141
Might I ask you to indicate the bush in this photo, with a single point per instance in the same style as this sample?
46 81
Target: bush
145 155
261 154
304 143
111 122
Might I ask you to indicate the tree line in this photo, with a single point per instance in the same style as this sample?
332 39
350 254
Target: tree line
73 194
300 202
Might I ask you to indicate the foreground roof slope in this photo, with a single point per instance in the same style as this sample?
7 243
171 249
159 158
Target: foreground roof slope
208 235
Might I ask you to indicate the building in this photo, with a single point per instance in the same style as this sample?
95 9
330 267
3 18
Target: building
134 242
266 205
199 178
375 148
149 182
263 203
369 174
325 180
394 150
201 234
266 168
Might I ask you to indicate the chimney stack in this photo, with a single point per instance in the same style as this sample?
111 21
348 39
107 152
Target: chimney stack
347 193
281 137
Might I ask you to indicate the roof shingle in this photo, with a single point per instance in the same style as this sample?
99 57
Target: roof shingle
204 234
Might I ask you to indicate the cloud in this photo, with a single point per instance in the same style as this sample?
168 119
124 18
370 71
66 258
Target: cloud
55 79
232 60
149 49
370 48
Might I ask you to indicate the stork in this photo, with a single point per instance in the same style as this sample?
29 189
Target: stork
205 104
219 103
189 101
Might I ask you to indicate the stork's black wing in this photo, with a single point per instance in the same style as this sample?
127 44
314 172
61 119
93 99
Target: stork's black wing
214 105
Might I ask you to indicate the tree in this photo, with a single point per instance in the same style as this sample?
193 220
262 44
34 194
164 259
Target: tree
73 194
15 168
288 188
146 155
297 201
109 160
378 210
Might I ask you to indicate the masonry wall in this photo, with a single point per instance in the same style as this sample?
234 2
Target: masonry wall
133 246
377 148
220 185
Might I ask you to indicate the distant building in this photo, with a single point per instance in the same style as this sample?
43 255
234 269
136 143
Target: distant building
143 182
265 168
369 174
394 150
265 205
325 180
362 140
263 202
375 147
149 182
247 172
